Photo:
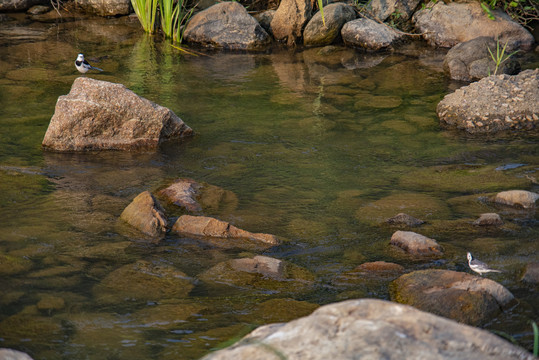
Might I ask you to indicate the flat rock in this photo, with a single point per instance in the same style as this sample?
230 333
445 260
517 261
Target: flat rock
384 9
372 324
143 281
489 219
210 227
456 295
146 214
520 198
379 268
416 244
227 25
369 34
492 104
100 115
317 33
10 354
105 8
447 24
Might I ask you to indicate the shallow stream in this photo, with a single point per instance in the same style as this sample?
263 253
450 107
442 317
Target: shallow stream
318 146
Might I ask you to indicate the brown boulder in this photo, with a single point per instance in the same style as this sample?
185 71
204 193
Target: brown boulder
207 226
522 198
290 19
531 274
459 296
416 244
100 115
146 214
489 219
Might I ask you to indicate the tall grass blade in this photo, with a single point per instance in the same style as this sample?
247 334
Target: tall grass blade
535 339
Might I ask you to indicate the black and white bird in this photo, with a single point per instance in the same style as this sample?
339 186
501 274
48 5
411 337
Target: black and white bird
478 266
83 66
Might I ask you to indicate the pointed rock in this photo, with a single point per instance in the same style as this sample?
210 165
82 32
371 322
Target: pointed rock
146 214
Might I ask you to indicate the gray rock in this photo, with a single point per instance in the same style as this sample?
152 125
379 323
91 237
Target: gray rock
227 25
290 19
531 274
369 34
471 60
264 19
493 104
456 295
447 24
489 219
404 219
416 244
105 8
38 10
100 115
20 5
383 9
9 354
146 214
183 193
521 198
335 16
370 329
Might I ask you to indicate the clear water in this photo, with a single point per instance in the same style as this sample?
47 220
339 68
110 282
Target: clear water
318 148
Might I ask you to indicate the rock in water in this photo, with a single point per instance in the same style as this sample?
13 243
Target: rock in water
100 115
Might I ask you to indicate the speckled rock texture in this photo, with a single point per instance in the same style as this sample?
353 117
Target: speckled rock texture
493 104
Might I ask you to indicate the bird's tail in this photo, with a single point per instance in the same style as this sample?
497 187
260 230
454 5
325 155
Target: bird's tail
492 270
96 68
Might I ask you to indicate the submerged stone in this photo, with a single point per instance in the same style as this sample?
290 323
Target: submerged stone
146 214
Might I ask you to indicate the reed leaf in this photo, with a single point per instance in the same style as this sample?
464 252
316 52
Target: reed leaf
146 11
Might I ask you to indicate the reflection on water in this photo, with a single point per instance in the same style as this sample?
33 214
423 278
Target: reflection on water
318 146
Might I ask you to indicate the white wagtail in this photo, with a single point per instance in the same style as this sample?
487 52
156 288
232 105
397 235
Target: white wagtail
479 266
83 66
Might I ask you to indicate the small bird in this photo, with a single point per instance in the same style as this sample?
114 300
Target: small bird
478 266
83 66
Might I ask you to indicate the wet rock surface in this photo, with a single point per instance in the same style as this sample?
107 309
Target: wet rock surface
146 214
100 115
317 33
459 296
493 104
373 324
226 25
446 25
416 244
207 226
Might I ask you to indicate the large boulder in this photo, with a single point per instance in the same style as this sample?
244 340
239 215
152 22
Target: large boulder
369 34
9 354
370 329
471 60
493 104
383 9
289 20
210 227
227 25
20 5
447 24
99 115
317 33
459 296
106 8
146 214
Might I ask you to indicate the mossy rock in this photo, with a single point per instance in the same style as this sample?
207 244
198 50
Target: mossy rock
280 310
29 325
292 278
11 265
461 178
421 206
166 316
143 281
377 101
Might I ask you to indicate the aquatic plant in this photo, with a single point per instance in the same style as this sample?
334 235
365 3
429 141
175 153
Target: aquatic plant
535 339
146 11
174 15
500 56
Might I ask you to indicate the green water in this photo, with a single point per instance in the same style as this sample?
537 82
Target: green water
318 148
